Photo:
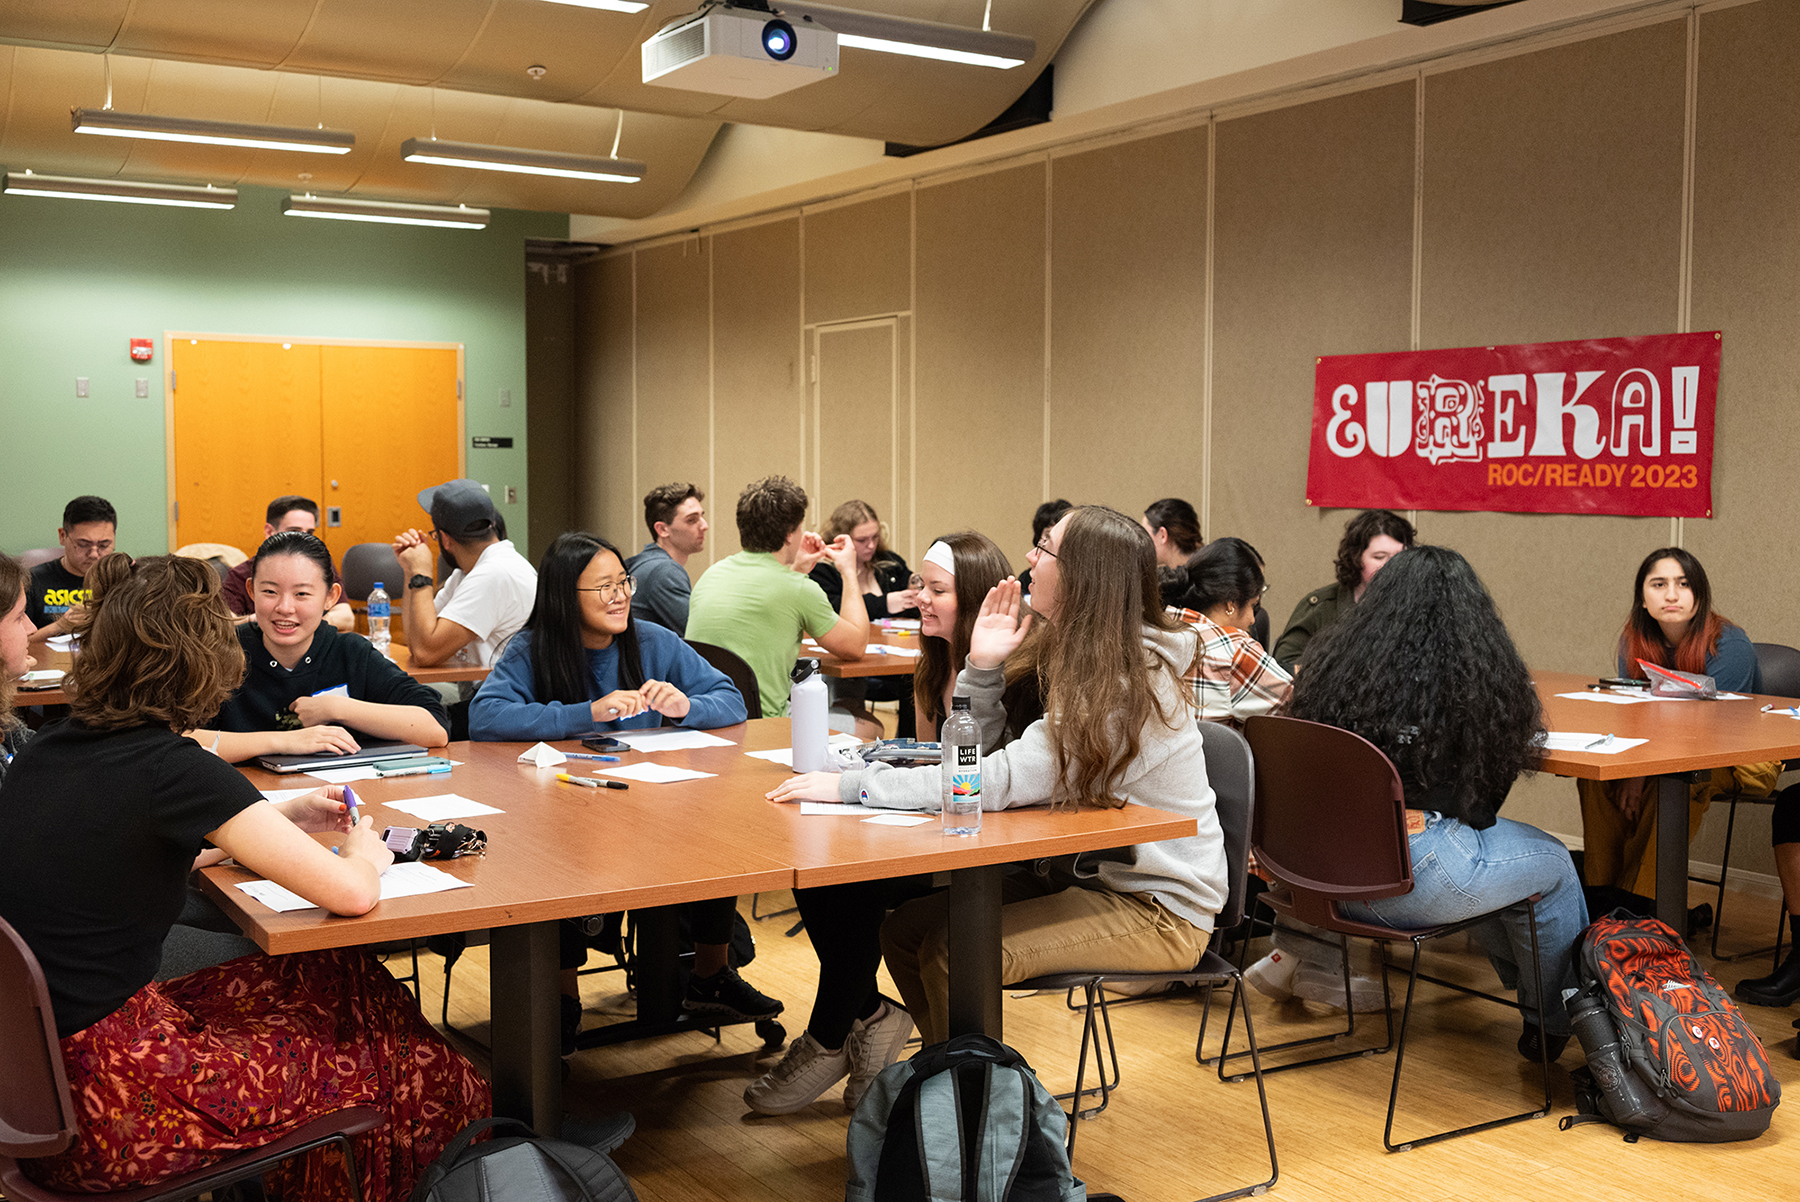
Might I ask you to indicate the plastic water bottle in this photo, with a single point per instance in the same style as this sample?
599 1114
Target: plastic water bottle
378 618
961 766
807 705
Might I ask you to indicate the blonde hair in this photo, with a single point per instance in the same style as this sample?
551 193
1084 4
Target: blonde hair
849 516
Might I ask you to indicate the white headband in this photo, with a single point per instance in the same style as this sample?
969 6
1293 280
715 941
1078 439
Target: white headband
940 554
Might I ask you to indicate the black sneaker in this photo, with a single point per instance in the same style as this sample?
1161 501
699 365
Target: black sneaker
571 1022
728 996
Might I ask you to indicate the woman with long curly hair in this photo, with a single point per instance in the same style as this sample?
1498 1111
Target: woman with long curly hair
1118 728
1424 669
1371 539
106 813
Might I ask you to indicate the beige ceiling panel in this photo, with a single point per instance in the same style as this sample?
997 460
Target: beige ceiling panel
405 41
577 47
239 33
62 24
43 85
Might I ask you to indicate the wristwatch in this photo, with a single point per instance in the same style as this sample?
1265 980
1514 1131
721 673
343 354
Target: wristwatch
419 580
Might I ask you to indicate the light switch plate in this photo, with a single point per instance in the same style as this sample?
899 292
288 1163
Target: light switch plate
506 398
512 495
81 385
143 386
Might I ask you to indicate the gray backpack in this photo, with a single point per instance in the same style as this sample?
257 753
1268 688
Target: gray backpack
519 1167
964 1120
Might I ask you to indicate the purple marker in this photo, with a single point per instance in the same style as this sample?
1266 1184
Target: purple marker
350 800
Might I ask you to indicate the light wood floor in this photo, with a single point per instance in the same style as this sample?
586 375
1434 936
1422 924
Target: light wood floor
1174 1132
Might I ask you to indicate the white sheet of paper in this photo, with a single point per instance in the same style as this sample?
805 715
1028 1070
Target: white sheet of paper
671 740
654 774
60 642
343 776
785 755
441 808
543 755
884 649
1609 698
400 880
898 623
901 819
280 795
833 808
1571 740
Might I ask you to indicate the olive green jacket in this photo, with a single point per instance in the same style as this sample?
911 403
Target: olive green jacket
1315 614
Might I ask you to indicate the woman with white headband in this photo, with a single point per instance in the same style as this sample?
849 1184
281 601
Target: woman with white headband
853 1032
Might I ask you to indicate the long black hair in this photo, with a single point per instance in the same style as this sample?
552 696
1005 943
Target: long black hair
559 664
1424 669
1226 570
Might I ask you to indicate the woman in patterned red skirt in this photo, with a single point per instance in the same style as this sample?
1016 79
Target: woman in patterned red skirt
107 812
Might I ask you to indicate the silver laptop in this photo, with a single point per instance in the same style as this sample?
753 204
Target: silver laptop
370 753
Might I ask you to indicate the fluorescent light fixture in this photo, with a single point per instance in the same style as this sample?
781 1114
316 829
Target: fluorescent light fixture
612 6
918 39
522 162
211 133
67 187
386 212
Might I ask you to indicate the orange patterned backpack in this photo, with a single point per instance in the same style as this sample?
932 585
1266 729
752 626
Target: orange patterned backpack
1669 1055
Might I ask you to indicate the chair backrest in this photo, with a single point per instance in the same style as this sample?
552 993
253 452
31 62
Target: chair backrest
1330 815
37 1117
32 558
1780 665
1231 771
225 551
365 563
733 665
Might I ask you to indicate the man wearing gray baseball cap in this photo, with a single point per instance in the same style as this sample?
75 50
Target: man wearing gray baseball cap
488 596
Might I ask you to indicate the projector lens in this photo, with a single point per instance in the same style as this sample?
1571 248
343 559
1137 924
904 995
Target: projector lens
778 40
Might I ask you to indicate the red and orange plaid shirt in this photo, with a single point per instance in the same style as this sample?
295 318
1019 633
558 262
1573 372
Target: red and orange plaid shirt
1232 678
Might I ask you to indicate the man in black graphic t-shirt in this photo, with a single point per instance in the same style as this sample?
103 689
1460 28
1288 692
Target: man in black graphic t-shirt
87 533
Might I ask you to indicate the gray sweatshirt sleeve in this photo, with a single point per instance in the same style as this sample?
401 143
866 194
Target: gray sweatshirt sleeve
1020 774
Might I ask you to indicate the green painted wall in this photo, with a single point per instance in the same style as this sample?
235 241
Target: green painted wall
79 279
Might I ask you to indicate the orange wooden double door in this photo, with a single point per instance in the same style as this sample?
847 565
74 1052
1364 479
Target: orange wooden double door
358 428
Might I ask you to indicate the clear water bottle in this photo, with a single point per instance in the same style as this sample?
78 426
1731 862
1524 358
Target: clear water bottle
807 719
961 766
379 610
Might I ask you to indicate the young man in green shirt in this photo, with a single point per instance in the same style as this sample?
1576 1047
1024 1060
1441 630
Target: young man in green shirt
759 602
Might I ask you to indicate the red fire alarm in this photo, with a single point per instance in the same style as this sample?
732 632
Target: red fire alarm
141 350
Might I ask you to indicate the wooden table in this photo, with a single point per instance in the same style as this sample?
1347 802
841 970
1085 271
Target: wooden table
1686 737
871 664
560 851
398 652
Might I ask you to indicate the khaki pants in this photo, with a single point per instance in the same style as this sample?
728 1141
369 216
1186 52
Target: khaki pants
1041 931
1622 852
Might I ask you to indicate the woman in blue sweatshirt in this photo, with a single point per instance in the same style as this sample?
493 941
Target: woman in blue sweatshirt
581 665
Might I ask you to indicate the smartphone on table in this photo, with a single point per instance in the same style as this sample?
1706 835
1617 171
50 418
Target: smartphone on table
603 743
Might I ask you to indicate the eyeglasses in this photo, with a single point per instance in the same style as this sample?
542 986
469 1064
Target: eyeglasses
618 588
82 544
1043 548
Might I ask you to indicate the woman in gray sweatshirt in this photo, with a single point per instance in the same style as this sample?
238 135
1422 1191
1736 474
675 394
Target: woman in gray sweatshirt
1118 729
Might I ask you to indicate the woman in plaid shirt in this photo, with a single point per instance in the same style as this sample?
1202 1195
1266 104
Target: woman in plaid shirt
1234 677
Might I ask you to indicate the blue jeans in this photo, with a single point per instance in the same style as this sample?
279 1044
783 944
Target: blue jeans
1459 872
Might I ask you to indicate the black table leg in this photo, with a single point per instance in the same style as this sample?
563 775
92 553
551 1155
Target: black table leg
1672 851
522 986
975 982
658 976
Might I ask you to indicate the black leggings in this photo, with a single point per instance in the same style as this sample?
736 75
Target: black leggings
844 924
710 922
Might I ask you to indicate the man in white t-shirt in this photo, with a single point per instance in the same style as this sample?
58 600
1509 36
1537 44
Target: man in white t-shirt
486 599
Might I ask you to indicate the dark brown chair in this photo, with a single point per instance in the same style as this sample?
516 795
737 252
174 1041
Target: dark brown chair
1330 828
1232 773
367 563
733 665
1779 666
37 1115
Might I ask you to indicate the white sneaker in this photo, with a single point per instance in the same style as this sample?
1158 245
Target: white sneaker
875 1042
807 1071
1274 975
1327 987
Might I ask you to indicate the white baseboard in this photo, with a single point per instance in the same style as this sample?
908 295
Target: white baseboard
1755 884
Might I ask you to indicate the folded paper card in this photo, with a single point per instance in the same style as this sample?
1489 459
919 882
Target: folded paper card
543 755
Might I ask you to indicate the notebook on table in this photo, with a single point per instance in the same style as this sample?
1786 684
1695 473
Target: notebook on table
370 753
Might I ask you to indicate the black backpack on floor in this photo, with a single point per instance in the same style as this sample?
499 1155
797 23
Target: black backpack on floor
516 1166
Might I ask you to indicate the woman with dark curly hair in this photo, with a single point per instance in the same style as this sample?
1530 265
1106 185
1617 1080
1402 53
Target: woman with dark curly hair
1424 669
1371 538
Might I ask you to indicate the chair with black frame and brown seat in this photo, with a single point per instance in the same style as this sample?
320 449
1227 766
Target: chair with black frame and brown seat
37 1111
1231 773
1329 830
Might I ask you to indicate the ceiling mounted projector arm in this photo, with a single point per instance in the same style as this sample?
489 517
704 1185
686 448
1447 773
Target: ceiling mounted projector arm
854 28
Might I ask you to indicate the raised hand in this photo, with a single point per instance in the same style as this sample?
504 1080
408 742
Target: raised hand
1000 626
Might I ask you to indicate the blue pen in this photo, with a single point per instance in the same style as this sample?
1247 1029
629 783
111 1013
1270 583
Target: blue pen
350 800
576 755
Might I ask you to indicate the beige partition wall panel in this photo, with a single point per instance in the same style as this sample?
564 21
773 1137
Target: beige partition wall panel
757 375
859 405
1552 210
1312 246
606 502
980 319
674 349
1747 284
859 259
1127 321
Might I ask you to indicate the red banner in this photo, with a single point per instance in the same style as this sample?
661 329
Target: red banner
1609 425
